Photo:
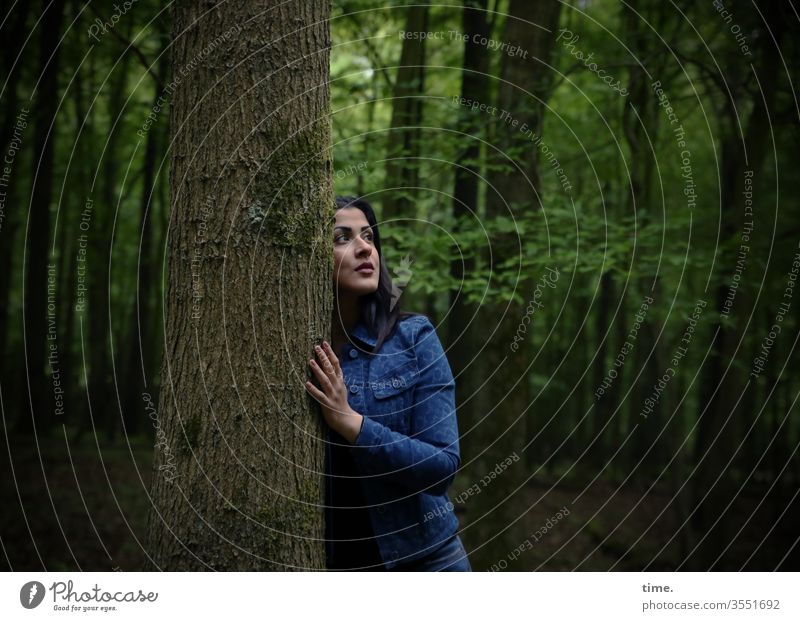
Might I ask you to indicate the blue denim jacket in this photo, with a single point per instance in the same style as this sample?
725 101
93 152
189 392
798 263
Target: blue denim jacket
407 451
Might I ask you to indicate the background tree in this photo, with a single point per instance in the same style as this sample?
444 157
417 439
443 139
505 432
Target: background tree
39 253
504 398
403 149
744 146
475 86
12 69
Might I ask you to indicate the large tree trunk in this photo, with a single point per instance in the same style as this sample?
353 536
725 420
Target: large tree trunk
504 397
237 479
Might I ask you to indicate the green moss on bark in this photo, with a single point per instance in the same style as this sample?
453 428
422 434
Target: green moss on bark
191 430
293 194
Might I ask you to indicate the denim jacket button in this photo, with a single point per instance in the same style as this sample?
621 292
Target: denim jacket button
381 509
353 353
354 389
396 383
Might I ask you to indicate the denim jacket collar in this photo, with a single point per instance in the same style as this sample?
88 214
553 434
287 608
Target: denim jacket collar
362 334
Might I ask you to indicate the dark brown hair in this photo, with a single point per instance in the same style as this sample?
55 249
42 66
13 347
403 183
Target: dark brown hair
375 309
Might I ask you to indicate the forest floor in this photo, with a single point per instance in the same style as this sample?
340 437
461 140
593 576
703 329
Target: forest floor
632 527
90 513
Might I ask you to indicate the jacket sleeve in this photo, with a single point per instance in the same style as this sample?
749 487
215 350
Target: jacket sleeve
428 461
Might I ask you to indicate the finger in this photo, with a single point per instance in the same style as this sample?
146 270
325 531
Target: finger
329 351
316 393
336 366
324 380
325 362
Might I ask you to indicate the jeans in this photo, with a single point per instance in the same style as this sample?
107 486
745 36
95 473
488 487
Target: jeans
451 556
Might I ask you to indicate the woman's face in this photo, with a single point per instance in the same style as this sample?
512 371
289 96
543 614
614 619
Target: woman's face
355 259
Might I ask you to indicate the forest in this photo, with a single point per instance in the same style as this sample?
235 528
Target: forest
593 201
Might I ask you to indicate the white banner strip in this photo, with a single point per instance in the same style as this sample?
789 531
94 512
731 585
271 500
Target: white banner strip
339 595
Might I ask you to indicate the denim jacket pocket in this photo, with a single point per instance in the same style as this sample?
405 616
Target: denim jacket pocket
393 396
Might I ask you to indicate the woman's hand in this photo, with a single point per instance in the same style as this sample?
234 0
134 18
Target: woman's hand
332 394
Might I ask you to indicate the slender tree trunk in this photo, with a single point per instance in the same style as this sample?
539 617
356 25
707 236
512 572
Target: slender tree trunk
38 227
142 319
73 365
676 474
65 295
650 360
720 429
640 122
503 405
368 140
9 222
105 410
402 169
237 479
461 334
601 410
576 406
615 432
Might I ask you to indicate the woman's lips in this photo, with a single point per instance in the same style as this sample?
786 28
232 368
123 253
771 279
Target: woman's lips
365 270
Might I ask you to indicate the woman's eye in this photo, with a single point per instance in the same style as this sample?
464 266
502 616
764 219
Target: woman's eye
341 237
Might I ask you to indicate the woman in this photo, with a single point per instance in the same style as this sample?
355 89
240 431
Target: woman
387 395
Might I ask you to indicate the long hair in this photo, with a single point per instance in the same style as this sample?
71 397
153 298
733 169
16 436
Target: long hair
375 309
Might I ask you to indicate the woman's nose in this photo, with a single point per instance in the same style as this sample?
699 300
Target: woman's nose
363 247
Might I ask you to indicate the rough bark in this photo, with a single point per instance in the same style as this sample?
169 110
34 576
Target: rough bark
237 481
